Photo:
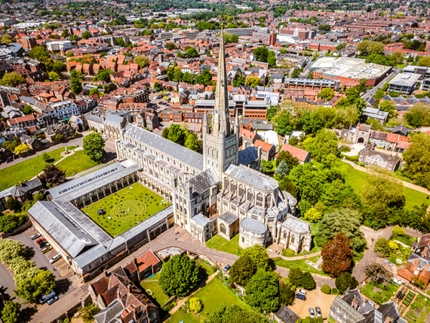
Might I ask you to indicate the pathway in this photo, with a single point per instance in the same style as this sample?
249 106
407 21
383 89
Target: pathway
369 171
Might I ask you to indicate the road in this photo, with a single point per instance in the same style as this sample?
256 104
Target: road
366 96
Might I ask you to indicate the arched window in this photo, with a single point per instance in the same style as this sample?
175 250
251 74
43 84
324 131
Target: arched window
292 239
259 199
223 228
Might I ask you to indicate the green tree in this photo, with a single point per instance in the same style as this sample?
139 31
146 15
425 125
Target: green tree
142 61
271 112
261 54
34 283
76 81
325 289
344 281
179 276
27 109
337 195
388 106
367 47
170 46
324 27
286 293
11 249
176 134
103 75
52 176
191 51
308 282
259 257
6 38
295 276
234 314
282 170
94 91
193 143
13 204
94 146
165 133
252 81
262 292
10 312
418 115
196 305
230 38
86 34
38 52
398 231
241 81
326 94
20 149
54 76
12 79
424 61
337 256
242 270
323 145
271 59
381 247
282 123
289 159
313 215
378 274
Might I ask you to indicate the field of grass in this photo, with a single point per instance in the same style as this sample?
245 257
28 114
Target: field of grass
356 179
214 295
76 163
27 169
379 293
219 243
299 264
125 208
151 286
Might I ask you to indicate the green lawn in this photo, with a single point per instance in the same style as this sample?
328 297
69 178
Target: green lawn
125 208
379 293
151 287
214 295
76 163
219 243
299 264
356 179
27 169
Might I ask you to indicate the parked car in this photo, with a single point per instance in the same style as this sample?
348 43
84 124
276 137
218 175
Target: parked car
35 236
44 298
311 312
318 310
226 268
301 296
55 258
46 249
44 244
396 281
301 291
39 241
52 300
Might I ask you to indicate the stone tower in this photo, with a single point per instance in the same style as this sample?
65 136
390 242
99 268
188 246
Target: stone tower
221 141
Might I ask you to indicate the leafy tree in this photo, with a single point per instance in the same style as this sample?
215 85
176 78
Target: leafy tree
13 204
398 231
53 176
271 111
193 143
165 133
326 94
271 59
196 305
259 257
326 289
94 91
262 292
344 281
378 274
34 283
10 312
176 134
313 215
142 61
8 223
282 123
252 81
170 46
343 221
290 160
241 81
392 245
157 86
179 276
424 61
308 282
417 159
286 293
12 79
418 115
235 314
381 247
53 76
103 75
76 81
388 106
337 256
20 149
38 52
94 146
86 34
204 78
6 38
295 276
367 47
261 54
11 249
322 145
282 170
191 51
324 27
230 38
337 195
242 270
27 109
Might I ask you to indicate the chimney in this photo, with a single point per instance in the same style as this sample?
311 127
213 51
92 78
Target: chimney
259 152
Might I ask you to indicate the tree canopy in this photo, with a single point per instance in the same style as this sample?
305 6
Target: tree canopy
344 281
337 256
259 257
418 115
322 145
262 292
242 270
417 159
12 79
53 176
235 314
94 146
142 61
176 134
10 312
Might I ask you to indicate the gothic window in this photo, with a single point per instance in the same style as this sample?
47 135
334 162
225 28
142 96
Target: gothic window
292 239
250 196
232 186
285 235
267 201
259 199
223 228
226 183
241 190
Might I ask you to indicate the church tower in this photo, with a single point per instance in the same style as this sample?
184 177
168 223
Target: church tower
220 141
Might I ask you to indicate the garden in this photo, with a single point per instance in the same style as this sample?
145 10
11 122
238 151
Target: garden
379 292
398 248
419 310
126 208
153 289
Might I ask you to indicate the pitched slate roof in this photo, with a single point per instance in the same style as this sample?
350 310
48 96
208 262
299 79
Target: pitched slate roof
252 177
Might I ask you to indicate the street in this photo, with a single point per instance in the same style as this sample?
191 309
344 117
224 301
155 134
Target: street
366 96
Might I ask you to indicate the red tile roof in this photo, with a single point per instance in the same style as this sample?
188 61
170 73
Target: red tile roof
146 260
300 154
264 145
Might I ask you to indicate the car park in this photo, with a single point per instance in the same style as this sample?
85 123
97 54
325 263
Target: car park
301 291
46 249
318 310
35 236
55 258
52 300
44 298
301 296
311 312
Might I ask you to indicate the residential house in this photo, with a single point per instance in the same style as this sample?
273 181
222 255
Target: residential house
418 264
302 155
284 315
21 192
368 156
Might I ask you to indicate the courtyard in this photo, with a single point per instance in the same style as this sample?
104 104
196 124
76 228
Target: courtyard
126 208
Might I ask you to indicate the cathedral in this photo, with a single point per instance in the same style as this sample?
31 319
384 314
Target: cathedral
213 193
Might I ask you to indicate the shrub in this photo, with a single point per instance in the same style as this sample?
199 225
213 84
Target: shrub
196 305
326 289
334 291
398 231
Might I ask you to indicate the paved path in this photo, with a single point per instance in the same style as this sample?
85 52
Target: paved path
406 184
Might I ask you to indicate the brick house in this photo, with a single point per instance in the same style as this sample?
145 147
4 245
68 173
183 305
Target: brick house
418 264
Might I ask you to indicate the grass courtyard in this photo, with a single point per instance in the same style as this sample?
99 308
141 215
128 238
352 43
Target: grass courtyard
76 163
151 286
125 208
219 243
214 295
27 169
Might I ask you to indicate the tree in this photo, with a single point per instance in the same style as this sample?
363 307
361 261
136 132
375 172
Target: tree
262 292
326 94
381 247
53 176
13 204
179 276
344 281
94 146
165 133
398 231
176 134
417 160
33 283
20 149
261 54
367 47
271 59
242 270
343 221
308 282
378 274
326 289
424 61
259 257
324 27
295 276
38 52
230 38
286 293
313 215
27 109
86 34
170 46
54 76
337 195
388 106
418 115
290 160
94 91
282 123
252 81
393 245
271 111
337 256
191 51
192 143
142 61
12 79
10 312
234 314
196 305
6 38
76 81
282 170
11 249
8 223
322 145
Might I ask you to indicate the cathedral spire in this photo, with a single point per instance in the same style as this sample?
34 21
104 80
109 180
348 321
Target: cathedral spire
221 118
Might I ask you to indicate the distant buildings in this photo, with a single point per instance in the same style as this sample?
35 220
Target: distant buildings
404 83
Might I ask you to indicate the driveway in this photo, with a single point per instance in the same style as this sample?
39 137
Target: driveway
313 298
